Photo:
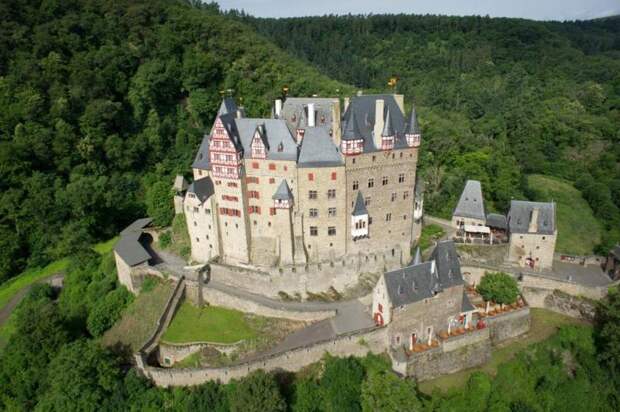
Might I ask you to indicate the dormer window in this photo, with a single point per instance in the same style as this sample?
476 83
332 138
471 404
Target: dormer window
387 142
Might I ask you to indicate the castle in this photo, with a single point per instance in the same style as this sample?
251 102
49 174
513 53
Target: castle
307 185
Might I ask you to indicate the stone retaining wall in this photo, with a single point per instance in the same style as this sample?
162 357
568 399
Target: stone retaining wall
561 302
219 298
357 344
340 274
169 354
508 325
457 353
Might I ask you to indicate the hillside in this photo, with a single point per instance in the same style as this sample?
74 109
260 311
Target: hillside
578 230
103 101
498 98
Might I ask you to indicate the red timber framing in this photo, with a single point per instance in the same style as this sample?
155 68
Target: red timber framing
225 160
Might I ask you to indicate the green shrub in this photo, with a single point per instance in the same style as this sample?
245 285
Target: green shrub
149 284
165 239
498 287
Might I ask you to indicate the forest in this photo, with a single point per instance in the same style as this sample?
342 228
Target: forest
499 99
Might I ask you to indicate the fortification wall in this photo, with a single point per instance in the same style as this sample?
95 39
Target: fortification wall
341 274
561 302
218 298
457 353
170 354
508 325
357 344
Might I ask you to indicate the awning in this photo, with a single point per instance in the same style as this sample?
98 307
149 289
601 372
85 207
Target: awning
477 229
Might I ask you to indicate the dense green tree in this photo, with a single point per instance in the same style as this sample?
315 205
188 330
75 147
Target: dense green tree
608 331
341 384
498 287
384 391
307 396
159 203
256 392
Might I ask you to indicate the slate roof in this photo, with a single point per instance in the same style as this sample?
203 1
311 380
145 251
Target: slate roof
416 282
297 106
419 185
412 124
411 284
201 161
360 206
280 143
202 188
362 110
352 130
228 106
388 130
471 202
520 214
448 265
318 149
497 220
129 247
283 192
418 257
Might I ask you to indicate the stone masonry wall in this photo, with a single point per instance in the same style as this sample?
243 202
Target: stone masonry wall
218 298
457 353
561 302
357 344
315 277
508 325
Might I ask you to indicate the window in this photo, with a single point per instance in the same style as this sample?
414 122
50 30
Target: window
231 184
314 231
331 212
405 195
369 220
311 177
272 180
394 196
388 217
401 177
404 217
196 209
255 165
252 179
371 182
331 231
253 194
195 224
331 194
374 158
208 211
313 212
272 211
272 166
197 240
254 209
384 180
356 185
367 201
333 175
230 198
312 195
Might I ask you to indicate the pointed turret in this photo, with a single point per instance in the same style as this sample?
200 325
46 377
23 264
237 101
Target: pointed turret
412 126
351 129
228 106
418 257
283 192
388 130
360 206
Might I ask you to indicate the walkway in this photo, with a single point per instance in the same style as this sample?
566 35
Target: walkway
5 312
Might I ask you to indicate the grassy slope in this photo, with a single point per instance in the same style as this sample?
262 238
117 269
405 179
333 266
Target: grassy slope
578 229
139 318
208 324
544 324
30 276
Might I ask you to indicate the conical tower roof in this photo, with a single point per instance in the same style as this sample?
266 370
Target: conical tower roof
412 126
351 129
360 206
388 130
418 257
283 192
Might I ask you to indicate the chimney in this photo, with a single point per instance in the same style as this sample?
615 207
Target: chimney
347 100
533 221
379 106
433 266
278 108
311 114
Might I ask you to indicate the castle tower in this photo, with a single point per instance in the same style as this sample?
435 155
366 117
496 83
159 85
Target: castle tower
283 205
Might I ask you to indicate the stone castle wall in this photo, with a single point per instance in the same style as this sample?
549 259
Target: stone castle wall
457 353
314 277
357 344
508 325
